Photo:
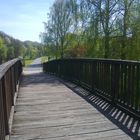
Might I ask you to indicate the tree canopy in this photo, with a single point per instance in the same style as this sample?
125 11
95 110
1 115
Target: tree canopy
93 28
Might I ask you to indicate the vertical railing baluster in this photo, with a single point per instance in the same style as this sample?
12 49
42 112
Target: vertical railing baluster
5 107
2 119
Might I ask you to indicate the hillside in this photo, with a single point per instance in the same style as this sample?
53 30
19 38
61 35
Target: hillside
11 48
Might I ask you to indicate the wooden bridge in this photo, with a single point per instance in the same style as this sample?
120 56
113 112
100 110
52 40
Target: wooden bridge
66 104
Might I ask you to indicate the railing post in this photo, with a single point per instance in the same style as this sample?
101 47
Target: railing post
2 122
12 84
115 82
79 73
93 68
5 107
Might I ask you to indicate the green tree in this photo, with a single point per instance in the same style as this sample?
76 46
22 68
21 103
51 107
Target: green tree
10 52
102 28
2 51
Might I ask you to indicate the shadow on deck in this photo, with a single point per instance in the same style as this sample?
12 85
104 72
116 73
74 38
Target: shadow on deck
127 123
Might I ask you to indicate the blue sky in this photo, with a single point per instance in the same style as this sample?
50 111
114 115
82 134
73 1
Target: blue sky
23 19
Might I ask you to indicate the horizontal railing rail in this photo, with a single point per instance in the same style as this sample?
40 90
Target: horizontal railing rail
9 77
114 80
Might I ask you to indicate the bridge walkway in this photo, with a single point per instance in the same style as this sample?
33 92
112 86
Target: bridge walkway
51 109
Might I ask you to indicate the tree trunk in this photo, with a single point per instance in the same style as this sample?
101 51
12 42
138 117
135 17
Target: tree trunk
62 48
106 29
123 53
106 55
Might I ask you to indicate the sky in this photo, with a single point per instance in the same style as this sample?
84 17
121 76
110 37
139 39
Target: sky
23 19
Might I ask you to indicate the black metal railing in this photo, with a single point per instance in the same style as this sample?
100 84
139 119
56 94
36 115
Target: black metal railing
9 76
113 80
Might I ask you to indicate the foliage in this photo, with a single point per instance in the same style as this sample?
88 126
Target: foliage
44 59
27 62
3 51
77 51
101 28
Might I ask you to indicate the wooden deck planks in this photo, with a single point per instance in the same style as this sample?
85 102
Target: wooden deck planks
47 109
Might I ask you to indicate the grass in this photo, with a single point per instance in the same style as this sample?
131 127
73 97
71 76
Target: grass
44 59
27 62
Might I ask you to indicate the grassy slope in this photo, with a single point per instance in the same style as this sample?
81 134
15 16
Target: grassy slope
44 59
27 62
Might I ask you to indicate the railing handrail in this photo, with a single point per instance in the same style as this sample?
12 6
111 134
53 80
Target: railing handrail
5 66
101 60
